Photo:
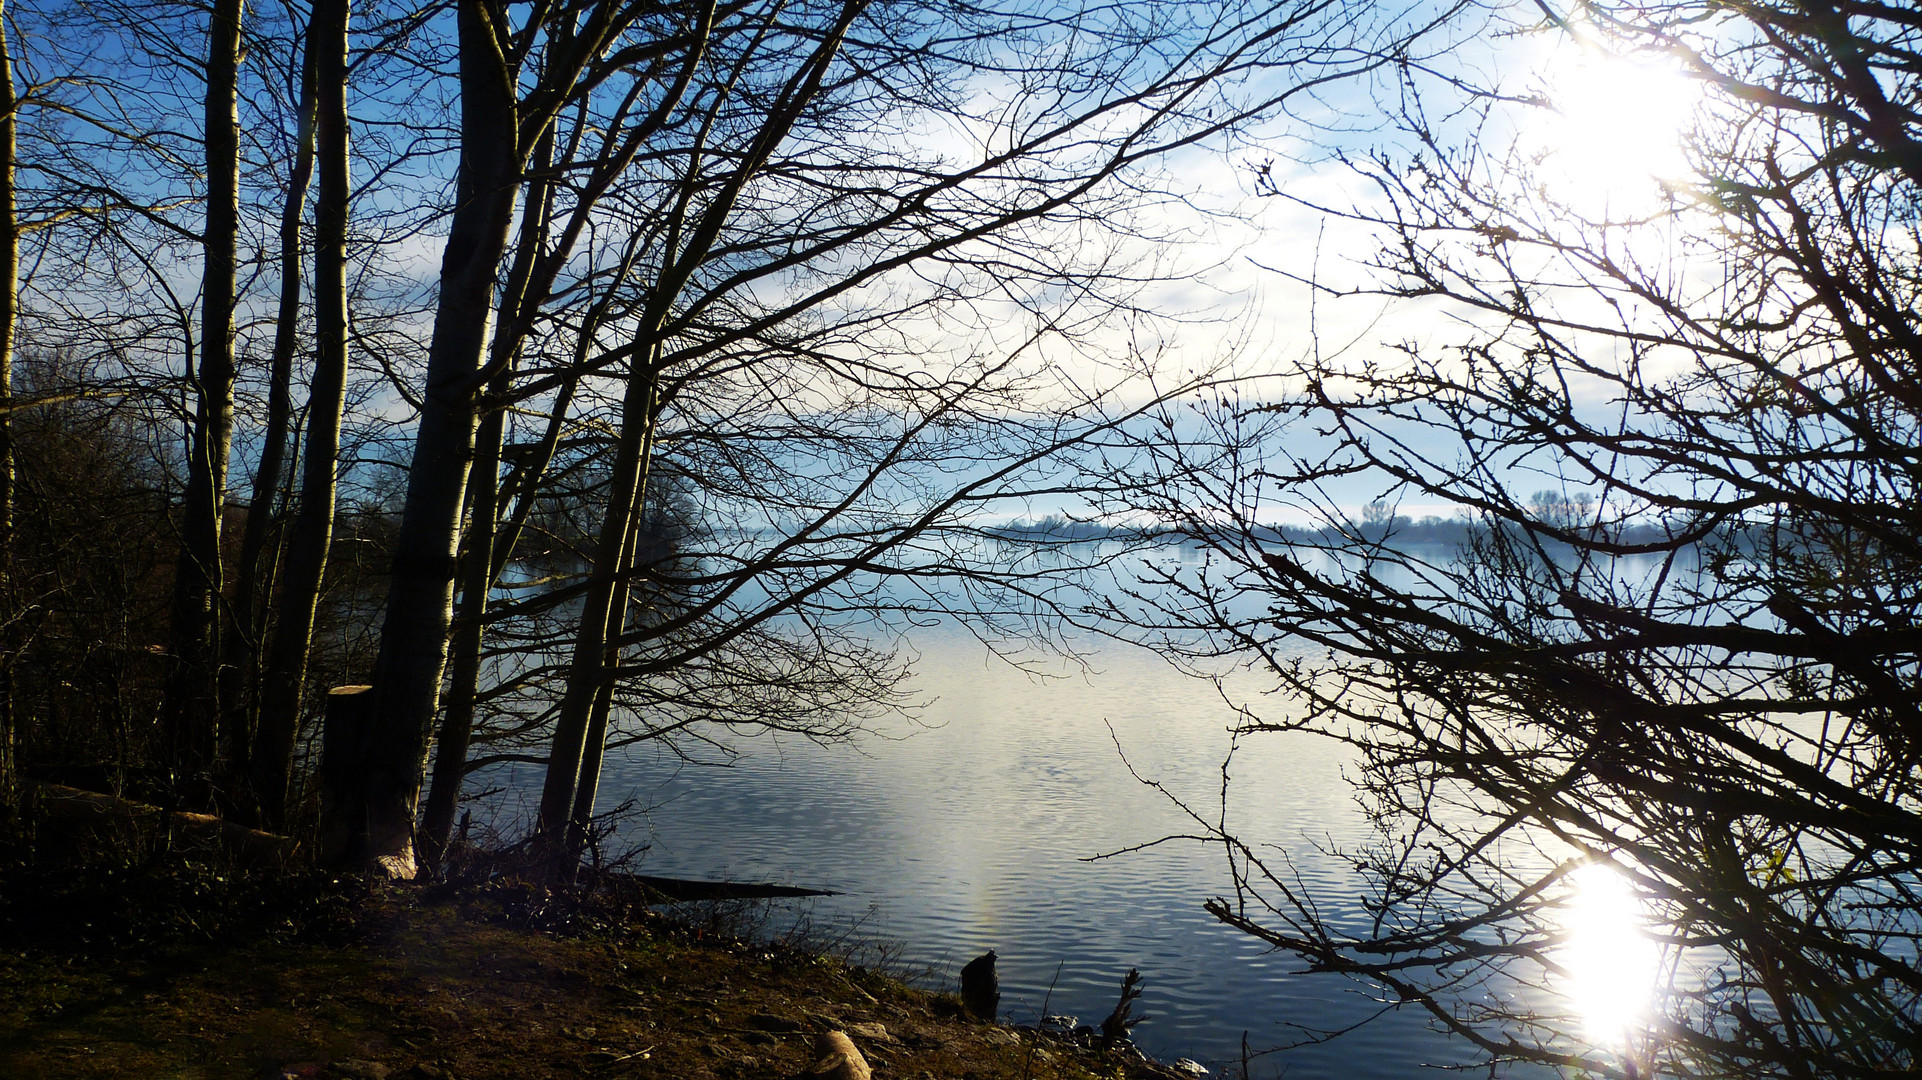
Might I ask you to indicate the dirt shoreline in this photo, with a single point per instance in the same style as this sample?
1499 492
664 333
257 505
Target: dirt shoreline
507 982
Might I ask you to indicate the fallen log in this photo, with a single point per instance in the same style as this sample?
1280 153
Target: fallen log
97 812
677 889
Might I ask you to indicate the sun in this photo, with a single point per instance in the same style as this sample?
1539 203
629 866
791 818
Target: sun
1614 125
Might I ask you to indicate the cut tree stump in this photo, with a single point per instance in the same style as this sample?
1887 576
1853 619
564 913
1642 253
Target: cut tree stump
345 743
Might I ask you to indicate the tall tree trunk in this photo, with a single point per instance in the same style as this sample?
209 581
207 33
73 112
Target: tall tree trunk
9 277
253 579
592 665
420 596
191 710
457 725
594 746
313 530
478 566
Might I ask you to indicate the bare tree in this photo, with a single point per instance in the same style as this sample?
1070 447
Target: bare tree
256 566
112 206
192 707
312 534
778 335
713 306
1690 671
480 567
572 48
9 318
590 671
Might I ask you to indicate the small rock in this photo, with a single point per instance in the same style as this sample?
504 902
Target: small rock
1190 1066
836 1058
873 1032
760 1038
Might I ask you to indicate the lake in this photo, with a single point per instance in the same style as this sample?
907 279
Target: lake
974 829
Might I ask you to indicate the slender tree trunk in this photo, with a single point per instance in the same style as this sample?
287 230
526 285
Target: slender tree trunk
594 654
191 710
594 746
9 284
253 579
413 641
478 566
313 530
580 825
457 726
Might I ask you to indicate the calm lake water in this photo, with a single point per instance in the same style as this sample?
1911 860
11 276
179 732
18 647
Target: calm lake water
974 831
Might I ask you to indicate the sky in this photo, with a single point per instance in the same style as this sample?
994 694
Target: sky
1231 261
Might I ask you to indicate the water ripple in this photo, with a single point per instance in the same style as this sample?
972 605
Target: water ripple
972 834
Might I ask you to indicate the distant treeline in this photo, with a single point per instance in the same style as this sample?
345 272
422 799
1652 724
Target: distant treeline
1392 530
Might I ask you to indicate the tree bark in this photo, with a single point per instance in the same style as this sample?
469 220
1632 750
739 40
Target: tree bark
343 801
594 743
413 641
191 710
457 726
253 581
478 566
313 530
591 665
9 277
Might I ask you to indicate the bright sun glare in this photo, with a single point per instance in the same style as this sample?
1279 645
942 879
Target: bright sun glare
1616 124
1611 961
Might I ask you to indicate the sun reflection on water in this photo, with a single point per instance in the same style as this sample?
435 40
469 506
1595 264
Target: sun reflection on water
1611 961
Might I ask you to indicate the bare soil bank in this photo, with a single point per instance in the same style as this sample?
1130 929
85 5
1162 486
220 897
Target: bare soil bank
505 981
